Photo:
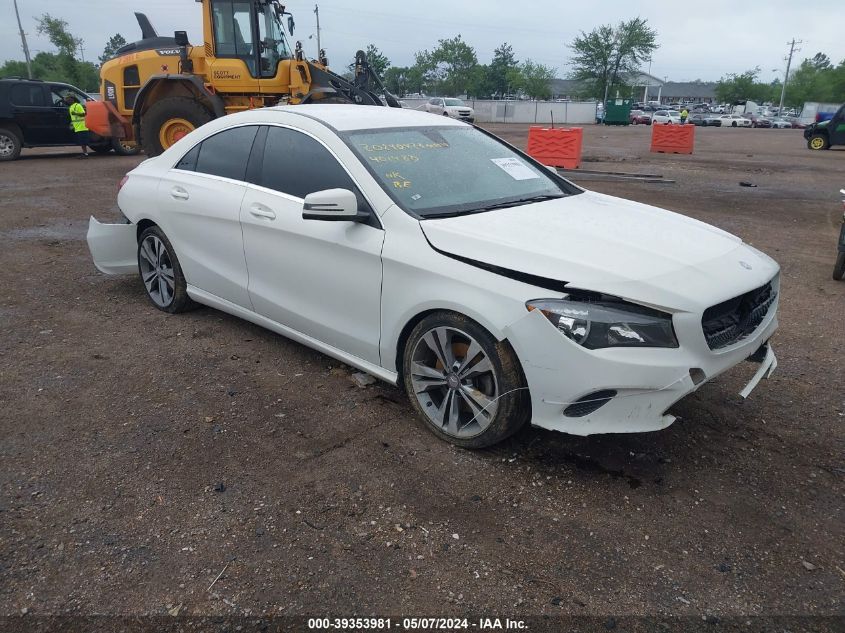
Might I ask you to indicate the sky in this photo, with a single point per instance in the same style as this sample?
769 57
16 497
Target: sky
697 40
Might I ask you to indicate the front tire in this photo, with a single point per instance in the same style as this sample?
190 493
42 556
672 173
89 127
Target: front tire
818 142
467 387
10 145
168 120
161 273
839 268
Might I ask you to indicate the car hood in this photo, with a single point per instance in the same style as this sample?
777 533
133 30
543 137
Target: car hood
606 244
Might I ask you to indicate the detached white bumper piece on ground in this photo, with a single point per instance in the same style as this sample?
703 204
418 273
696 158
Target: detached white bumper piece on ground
433 256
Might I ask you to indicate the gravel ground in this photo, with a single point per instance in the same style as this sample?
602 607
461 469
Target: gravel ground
141 453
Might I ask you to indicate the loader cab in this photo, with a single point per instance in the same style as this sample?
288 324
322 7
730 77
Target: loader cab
249 31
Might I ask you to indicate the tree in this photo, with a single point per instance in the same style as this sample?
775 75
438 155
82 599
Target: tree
497 73
378 61
456 65
607 56
535 79
820 62
743 87
61 65
57 32
115 42
394 79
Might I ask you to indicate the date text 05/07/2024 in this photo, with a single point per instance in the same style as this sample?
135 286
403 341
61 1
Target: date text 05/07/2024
415 624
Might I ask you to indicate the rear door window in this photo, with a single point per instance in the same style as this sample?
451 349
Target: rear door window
225 154
27 95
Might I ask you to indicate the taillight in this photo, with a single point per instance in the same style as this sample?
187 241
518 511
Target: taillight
122 182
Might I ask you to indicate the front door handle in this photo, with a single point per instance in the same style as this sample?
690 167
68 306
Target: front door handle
179 194
260 211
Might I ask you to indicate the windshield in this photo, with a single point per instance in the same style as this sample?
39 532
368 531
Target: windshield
454 102
436 171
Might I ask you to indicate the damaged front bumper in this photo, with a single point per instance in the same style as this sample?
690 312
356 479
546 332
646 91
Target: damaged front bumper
114 247
621 390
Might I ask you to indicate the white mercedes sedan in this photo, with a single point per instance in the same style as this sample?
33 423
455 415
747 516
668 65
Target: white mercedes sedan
437 257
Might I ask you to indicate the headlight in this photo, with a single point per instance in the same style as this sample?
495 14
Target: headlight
608 323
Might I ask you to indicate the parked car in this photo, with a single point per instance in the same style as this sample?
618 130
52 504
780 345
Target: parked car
795 122
33 113
640 117
666 116
700 119
734 120
759 120
781 124
434 256
454 108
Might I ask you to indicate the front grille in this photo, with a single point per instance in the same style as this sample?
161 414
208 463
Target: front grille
735 319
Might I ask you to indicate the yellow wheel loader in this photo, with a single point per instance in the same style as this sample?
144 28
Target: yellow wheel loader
156 90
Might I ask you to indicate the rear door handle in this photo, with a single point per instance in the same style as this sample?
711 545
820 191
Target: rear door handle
179 193
260 211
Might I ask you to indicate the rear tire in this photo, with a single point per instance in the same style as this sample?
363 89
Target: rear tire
10 145
161 273
839 268
471 402
162 115
101 149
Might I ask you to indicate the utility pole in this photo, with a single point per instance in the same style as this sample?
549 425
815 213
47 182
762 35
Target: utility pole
319 46
792 51
23 41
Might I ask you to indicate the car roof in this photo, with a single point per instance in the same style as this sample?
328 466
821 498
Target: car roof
344 117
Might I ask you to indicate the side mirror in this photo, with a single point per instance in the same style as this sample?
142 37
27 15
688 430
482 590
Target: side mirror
291 24
338 205
181 38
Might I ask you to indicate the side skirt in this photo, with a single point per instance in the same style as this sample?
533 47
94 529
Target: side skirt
213 301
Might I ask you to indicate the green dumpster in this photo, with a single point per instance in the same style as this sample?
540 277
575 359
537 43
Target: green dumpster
618 111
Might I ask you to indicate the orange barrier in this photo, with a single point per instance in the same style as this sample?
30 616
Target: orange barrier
556 147
673 139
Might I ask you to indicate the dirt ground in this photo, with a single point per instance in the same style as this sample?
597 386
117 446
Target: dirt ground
142 454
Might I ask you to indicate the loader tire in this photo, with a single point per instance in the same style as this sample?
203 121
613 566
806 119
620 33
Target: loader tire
169 120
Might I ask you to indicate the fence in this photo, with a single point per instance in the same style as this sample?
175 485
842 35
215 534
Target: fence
573 113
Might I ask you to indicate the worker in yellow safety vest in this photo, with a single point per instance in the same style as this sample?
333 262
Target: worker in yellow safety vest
77 122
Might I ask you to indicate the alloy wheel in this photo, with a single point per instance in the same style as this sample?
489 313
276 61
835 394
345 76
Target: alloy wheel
454 382
157 271
7 145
